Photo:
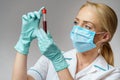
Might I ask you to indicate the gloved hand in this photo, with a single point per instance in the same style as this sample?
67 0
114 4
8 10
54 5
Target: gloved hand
49 49
30 24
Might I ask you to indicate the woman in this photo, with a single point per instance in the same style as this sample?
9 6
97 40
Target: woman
92 58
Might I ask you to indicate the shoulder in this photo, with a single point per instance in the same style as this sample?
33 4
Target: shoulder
101 64
105 70
114 74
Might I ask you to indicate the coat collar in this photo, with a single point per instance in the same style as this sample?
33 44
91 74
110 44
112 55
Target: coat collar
99 64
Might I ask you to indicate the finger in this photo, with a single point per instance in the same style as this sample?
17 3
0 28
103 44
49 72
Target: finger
31 15
38 34
40 12
43 34
24 17
49 35
36 14
41 9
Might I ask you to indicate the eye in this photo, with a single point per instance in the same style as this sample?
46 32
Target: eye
87 27
75 23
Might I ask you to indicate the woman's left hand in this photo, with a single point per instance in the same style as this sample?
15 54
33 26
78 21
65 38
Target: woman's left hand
49 49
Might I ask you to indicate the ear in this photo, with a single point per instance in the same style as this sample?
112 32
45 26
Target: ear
106 37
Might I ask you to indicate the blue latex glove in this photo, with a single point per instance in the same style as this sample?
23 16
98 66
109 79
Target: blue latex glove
48 48
30 24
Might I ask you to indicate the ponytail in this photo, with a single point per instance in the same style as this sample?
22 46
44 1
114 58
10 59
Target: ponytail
107 53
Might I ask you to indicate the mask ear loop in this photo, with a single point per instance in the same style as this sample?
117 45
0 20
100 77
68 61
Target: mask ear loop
98 33
99 49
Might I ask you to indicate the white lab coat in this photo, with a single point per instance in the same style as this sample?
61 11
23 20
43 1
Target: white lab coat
99 69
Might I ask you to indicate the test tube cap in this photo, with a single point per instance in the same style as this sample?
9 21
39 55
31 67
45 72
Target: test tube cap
44 11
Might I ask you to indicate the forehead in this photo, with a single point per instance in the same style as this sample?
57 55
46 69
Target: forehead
89 14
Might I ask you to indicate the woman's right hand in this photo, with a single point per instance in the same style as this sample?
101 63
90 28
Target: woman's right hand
30 24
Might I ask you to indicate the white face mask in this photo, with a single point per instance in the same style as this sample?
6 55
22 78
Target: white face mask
83 39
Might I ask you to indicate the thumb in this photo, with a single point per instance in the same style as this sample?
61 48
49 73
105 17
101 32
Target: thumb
49 35
41 9
40 12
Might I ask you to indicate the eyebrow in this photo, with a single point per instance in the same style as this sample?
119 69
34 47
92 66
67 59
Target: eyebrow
86 22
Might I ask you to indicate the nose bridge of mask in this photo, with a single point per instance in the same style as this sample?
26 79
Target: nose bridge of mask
82 31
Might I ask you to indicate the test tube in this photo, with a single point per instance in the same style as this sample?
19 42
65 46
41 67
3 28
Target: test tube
44 11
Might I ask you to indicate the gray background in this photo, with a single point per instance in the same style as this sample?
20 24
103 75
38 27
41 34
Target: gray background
61 14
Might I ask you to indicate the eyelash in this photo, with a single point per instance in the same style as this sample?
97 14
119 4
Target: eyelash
75 23
87 27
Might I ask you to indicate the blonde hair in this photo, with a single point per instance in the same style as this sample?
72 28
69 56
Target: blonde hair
108 21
